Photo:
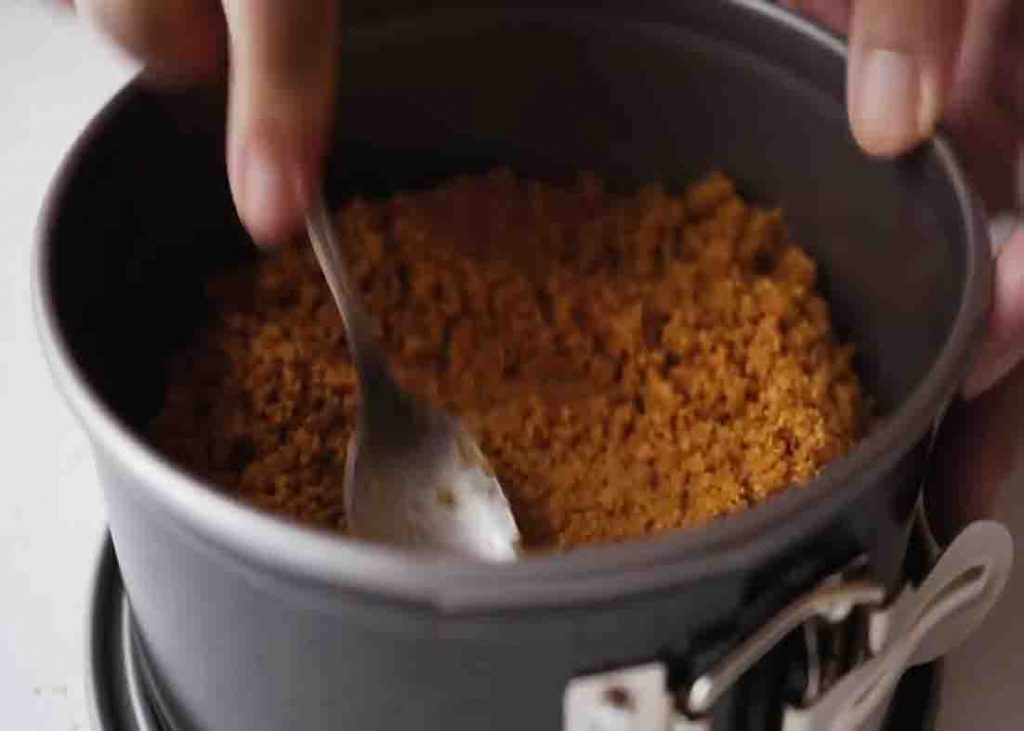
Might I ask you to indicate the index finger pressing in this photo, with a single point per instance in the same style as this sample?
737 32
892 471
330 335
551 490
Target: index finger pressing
282 91
902 60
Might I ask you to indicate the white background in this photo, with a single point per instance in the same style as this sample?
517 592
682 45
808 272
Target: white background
54 75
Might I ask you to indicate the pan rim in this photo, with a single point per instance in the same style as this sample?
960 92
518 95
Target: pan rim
269 545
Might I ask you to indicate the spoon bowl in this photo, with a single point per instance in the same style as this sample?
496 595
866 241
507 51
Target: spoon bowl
425 483
414 476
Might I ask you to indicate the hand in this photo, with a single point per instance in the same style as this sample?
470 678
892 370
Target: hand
281 91
914 63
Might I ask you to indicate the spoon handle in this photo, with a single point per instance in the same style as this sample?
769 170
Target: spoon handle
367 354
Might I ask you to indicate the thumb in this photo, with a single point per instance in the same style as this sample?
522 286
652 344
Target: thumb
283 71
903 55
1004 346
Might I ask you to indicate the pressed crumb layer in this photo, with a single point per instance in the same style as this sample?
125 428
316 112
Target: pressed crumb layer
629 363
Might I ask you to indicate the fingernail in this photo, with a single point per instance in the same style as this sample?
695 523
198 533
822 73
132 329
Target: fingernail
895 106
268 203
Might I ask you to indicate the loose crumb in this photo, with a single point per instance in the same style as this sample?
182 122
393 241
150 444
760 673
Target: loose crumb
629 363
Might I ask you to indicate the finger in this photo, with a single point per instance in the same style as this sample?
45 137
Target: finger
976 454
1006 77
988 147
283 70
176 40
983 119
902 58
986 38
1004 347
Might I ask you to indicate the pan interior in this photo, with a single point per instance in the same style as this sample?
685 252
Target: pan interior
547 95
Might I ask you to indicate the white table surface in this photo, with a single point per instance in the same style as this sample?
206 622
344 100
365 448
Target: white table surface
55 75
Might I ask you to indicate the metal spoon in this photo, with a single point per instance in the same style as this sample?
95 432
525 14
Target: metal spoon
414 477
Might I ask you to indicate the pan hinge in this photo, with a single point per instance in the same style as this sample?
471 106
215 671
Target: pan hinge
918 625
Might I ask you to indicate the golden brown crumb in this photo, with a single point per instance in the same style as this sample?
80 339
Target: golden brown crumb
629 363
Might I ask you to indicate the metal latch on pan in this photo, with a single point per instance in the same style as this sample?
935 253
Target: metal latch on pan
919 625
